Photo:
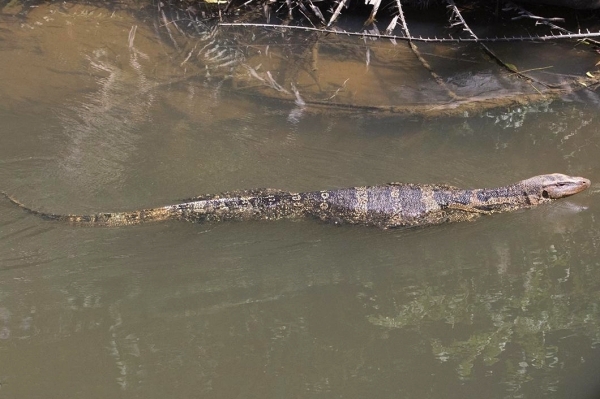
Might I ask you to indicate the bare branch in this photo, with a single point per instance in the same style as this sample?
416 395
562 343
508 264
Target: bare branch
376 4
523 13
402 19
337 12
317 12
392 25
494 39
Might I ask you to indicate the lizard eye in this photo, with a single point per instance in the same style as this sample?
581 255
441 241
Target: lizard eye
545 194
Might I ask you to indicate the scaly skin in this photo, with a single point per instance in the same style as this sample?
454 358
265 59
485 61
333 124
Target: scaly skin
387 206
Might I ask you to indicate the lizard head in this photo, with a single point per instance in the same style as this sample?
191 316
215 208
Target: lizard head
545 188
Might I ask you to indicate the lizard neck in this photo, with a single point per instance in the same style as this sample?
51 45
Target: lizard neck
497 199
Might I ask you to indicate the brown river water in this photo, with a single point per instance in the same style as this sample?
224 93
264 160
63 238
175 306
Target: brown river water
101 110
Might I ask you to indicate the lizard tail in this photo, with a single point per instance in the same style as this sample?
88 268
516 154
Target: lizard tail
114 219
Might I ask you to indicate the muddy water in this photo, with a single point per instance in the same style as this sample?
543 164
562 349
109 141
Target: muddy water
99 115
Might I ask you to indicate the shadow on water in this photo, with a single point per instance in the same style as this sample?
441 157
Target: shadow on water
118 119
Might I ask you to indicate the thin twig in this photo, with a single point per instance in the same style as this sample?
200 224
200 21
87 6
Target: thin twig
537 69
539 19
317 12
343 86
304 11
165 21
544 21
495 39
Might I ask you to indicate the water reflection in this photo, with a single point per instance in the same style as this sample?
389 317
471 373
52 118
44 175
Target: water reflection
511 323
103 129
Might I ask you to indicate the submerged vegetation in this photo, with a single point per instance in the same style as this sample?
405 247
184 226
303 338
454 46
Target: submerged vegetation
396 56
419 57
